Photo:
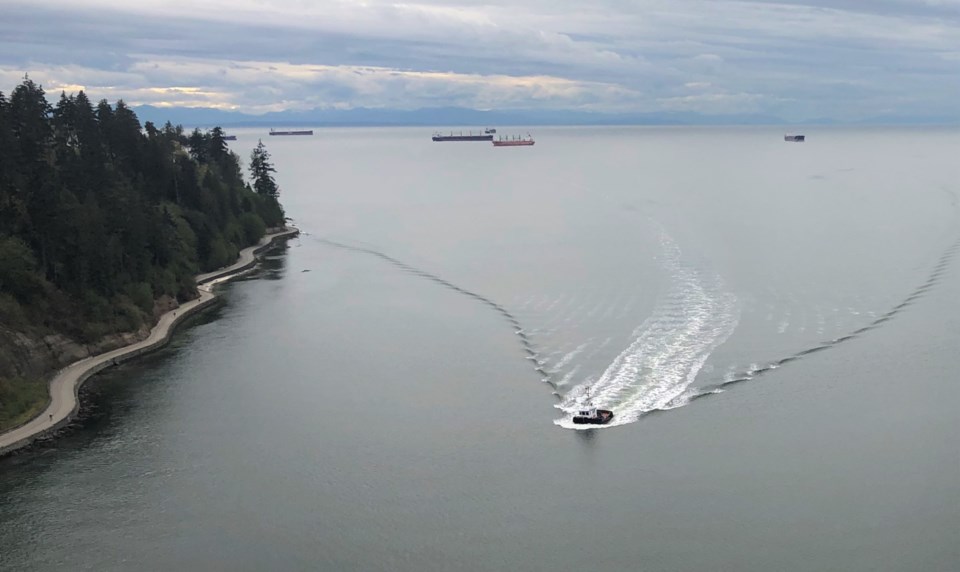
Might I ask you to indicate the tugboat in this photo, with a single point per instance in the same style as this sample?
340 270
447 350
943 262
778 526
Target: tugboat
593 416
490 130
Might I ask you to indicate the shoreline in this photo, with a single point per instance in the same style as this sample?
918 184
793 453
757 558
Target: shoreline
64 386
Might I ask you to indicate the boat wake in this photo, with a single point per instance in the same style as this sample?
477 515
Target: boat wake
667 350
532 354
660 384
662 357
941 266
755 370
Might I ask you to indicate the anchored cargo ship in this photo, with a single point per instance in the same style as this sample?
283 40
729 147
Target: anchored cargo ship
514 142
229 137
301 132
795 138
461 137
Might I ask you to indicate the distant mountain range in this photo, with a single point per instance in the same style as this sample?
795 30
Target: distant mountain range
456 116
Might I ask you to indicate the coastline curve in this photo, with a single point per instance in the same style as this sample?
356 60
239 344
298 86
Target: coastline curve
64 386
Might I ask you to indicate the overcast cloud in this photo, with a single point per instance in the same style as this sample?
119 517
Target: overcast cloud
799 59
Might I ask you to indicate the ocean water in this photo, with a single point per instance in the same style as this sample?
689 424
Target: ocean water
774 325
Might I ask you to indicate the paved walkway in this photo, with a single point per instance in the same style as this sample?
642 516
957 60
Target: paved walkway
65 384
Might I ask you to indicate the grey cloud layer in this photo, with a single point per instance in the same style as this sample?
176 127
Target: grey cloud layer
815 58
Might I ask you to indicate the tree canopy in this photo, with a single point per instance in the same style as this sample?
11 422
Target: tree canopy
100 216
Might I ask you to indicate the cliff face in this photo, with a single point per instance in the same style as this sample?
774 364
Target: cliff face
34 356
25 356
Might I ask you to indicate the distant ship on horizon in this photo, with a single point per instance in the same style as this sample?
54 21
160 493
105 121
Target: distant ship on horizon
470 136
514 142
795 138
300 132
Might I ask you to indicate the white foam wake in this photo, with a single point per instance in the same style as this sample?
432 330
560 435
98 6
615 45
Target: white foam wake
570 355
694 317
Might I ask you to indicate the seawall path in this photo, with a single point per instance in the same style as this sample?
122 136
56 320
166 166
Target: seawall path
65 385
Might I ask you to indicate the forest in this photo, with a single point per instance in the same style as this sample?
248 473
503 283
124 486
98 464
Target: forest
102 218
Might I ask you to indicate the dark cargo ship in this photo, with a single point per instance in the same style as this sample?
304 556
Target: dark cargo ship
462 137
301 132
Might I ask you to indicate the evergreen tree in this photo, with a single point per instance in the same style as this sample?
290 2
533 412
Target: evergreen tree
198 146
12 206
217 146
262 172
125 138
29 116
28 113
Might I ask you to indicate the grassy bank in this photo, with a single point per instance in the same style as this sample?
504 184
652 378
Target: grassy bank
20 401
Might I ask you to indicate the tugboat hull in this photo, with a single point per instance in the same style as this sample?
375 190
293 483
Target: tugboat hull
603 417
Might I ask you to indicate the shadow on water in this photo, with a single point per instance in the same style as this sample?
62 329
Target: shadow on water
106 397
586 435
272 264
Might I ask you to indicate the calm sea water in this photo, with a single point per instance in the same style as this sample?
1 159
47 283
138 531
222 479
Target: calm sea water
775 326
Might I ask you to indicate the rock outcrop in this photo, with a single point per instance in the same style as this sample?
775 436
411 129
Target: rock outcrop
32 357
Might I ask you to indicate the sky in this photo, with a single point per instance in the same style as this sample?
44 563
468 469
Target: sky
798 60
